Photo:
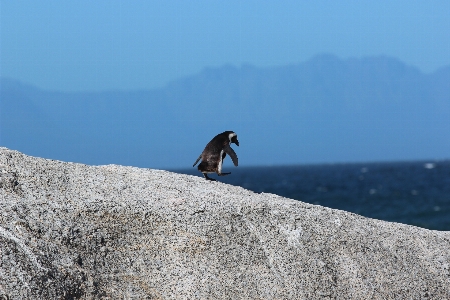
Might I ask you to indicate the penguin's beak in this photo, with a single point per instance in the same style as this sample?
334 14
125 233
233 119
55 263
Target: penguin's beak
237 142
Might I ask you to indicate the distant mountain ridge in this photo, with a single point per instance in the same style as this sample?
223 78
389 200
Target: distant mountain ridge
322 110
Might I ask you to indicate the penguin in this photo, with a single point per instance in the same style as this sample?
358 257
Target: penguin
215 152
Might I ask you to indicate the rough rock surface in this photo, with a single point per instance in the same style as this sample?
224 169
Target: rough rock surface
72 231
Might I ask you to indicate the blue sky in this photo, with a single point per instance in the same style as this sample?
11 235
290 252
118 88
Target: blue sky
110 45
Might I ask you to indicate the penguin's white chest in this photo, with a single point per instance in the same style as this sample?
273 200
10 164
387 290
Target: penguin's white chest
219 166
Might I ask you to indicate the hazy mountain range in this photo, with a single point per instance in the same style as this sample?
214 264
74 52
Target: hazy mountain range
323 110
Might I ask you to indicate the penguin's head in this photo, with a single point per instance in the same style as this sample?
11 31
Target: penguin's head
233 138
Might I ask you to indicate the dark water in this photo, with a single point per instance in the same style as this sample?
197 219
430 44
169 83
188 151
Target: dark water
415 193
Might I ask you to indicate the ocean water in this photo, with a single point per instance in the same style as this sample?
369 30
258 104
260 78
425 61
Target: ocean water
415 193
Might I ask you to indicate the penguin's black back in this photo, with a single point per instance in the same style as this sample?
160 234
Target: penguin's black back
211 155
218 142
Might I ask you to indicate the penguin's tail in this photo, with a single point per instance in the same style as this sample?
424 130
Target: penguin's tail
197 160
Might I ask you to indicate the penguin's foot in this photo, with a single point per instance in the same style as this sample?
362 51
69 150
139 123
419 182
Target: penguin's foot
223 174
207 177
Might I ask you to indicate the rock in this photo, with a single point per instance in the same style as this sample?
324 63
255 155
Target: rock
72 231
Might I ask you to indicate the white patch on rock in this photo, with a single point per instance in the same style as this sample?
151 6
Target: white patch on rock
337 221
293 234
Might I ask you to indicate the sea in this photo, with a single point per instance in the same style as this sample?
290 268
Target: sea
415 193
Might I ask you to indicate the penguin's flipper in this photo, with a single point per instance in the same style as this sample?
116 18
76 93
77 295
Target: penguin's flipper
228 150
197 160
223 174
